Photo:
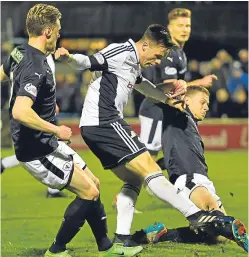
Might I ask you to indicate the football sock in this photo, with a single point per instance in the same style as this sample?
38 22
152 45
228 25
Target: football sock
161 164
74 219
9 162
186 235
126 201
165 191
96 219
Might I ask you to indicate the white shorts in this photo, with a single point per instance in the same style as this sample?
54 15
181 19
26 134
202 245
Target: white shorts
151 133
196 181
56 169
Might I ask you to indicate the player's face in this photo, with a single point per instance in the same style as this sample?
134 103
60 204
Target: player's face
198 104
152 55
52 40
180 29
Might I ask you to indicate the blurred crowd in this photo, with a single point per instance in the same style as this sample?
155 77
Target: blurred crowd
229 94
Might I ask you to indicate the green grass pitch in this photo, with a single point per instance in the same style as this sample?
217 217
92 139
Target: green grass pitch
29 221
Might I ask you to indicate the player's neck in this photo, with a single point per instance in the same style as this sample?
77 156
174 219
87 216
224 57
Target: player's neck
38 43
179 44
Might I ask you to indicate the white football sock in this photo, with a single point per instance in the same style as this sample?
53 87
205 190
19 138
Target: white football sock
10 162
126 201
165 191
53 191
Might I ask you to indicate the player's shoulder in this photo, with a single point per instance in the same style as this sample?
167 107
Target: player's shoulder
117 50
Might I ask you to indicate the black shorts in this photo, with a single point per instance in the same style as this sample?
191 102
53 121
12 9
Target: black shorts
113 143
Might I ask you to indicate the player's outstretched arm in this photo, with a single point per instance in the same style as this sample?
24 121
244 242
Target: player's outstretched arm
203 82
22 111
149 90
76 61
3 76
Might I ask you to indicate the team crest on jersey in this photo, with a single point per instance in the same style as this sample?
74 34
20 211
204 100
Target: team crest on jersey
67 166
100 58
31 89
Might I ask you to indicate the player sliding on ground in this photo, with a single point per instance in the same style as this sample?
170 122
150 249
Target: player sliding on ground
184 160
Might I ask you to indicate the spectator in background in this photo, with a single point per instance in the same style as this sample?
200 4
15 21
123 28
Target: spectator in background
237 87
219 97
225 59
193 71
243 58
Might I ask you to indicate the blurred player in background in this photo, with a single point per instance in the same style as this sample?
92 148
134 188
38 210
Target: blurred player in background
174 66
11 161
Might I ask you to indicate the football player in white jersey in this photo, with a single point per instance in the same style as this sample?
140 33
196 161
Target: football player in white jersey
117 72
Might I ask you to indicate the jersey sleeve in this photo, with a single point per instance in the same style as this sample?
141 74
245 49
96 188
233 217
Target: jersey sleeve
7 66
31 81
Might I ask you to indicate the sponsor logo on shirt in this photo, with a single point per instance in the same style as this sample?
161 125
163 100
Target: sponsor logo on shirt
31 89
170 70
39 75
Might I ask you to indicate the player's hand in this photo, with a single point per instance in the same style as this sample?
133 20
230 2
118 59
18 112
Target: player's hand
64 133
179 88
208 80
62 54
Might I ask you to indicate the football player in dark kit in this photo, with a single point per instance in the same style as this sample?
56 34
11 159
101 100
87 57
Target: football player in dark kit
40 144
185 162
174 66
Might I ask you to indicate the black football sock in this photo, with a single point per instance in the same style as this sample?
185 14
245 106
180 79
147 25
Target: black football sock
186 235
96 219
161 164
74 219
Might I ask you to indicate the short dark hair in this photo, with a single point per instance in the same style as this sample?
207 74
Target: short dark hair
39 17
195 89
159 35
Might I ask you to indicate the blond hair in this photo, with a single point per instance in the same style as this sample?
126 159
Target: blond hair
41 16
195 89
179 12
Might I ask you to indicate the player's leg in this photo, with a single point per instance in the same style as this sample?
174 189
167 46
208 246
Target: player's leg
145 167
97 218
9 162
59 171
115 144
126 201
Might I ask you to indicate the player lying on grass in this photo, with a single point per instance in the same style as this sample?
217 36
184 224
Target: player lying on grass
184 159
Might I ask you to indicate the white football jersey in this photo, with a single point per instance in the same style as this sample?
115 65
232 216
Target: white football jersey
117 69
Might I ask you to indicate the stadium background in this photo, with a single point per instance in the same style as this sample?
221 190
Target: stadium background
218 44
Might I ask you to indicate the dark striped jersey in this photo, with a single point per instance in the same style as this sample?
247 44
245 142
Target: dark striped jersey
174 66
31 76
117 69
